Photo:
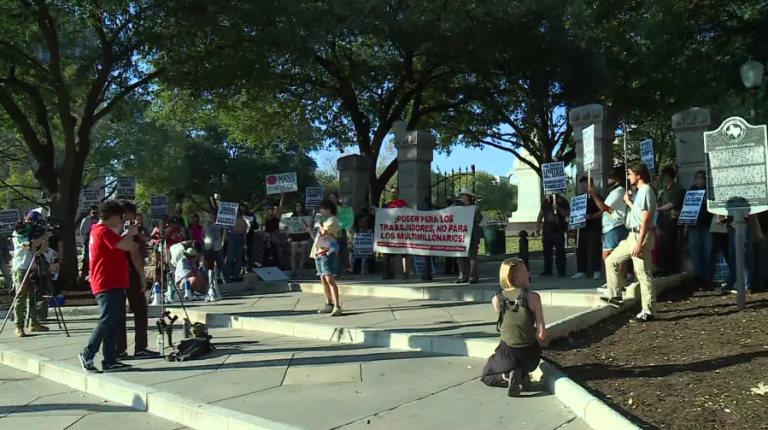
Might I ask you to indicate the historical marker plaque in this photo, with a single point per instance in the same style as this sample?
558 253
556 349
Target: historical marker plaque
737 168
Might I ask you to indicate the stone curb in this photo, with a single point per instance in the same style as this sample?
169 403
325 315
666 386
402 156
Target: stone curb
461 294
188 412
592 410
391 338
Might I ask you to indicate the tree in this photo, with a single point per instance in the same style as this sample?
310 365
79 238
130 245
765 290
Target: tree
357 66
64 67
496 199
194 165
529 113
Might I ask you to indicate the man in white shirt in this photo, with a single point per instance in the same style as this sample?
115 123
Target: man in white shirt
614 211
638 246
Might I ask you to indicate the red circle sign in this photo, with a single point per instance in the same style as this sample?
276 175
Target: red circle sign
271 180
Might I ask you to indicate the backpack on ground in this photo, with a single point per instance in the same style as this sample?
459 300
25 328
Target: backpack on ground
200 330
190 349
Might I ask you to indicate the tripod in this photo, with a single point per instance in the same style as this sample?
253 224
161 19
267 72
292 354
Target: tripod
41 265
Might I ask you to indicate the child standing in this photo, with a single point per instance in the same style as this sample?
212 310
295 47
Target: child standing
325 252
521 324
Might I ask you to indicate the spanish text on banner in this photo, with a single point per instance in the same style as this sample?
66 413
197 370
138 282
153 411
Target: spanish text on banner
446 232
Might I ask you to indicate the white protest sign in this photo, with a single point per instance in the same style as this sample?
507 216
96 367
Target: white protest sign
90 197
691 206
721 268
588 142
362 245
578 218
158 206
446 232
8 220
554 177
296 224
227 215
282 183
126 188
646 154
314 195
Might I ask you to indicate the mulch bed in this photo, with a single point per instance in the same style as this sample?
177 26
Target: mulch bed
694 368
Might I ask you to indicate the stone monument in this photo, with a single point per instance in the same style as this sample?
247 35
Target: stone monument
605 122
354 177
529 196
689 126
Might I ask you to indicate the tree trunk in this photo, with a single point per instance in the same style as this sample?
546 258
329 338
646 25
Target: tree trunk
64 206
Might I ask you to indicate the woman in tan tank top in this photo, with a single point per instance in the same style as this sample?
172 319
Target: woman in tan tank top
522 327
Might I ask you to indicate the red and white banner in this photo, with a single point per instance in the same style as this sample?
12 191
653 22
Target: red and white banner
445 232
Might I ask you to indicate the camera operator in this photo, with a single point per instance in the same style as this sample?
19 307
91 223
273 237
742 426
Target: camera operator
28 240
135 292
109 280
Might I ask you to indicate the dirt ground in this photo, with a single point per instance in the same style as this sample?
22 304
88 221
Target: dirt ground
699 367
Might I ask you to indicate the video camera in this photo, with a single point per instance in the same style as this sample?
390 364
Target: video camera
33 230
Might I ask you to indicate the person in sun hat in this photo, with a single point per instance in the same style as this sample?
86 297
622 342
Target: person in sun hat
468 264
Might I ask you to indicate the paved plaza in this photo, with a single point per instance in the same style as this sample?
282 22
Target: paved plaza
394 359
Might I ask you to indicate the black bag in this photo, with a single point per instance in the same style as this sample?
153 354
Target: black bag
190 349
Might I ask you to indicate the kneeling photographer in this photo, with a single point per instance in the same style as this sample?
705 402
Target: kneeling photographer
29 239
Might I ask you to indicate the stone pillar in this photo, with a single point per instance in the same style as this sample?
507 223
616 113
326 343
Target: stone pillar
415 150
354 177
689 126
605 122
414 166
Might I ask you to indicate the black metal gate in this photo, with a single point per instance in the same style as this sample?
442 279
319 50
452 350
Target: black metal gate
444 186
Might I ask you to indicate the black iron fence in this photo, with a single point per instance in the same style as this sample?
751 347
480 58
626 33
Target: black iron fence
446 185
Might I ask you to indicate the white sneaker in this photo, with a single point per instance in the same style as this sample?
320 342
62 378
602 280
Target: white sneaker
602 289
597 276
336 311
579 275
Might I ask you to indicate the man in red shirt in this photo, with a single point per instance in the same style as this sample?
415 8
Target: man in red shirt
396 201
109 280
389 259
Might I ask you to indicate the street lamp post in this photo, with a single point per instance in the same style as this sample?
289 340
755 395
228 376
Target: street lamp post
752 77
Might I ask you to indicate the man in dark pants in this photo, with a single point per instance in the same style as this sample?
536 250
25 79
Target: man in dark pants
551 222
135 294
588 252
389 259
109 279
668 206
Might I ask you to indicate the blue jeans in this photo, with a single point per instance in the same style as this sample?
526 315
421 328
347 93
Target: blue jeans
111 304
325 264
700 248
748 258
234 256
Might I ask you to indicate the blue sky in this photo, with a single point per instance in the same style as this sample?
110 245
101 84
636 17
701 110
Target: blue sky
491 160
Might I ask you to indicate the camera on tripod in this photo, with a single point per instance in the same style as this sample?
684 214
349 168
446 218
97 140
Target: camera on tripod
33 230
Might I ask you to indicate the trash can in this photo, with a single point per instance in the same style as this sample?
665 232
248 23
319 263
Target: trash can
495 238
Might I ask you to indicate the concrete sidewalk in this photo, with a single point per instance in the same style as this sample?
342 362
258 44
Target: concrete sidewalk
31 402
450 327
305 384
